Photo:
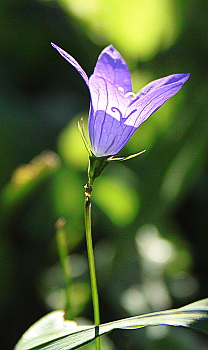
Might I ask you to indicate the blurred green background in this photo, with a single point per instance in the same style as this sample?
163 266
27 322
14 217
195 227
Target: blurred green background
150 216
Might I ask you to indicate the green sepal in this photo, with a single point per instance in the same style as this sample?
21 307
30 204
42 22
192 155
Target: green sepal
126 158
83 136
96 166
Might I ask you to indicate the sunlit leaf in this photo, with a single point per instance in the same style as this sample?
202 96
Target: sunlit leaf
116 198
134 27
54 335
48 328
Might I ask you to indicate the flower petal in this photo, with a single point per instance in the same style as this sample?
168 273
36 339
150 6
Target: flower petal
152 97
108 135
105 96
72 61
155 84
112 67
108 107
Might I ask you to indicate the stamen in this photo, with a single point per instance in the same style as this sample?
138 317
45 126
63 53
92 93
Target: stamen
130 94
121 89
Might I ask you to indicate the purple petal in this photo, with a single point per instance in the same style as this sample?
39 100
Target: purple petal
109 135
72 61
108 107
105 96
155 84
112 67
152 97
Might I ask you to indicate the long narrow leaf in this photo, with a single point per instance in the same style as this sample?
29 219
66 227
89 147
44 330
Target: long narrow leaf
194 316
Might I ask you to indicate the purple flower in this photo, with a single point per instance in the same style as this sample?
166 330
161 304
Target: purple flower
115 111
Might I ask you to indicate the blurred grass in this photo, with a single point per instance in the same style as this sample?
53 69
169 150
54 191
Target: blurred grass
161 195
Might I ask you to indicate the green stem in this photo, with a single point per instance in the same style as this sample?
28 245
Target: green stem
63 254
93 280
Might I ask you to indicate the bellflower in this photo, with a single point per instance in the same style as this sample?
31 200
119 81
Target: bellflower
115 111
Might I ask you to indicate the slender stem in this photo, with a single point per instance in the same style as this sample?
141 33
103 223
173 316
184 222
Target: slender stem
93 280
63 254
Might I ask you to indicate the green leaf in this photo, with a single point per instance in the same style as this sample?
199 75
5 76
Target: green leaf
48 329
53 333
